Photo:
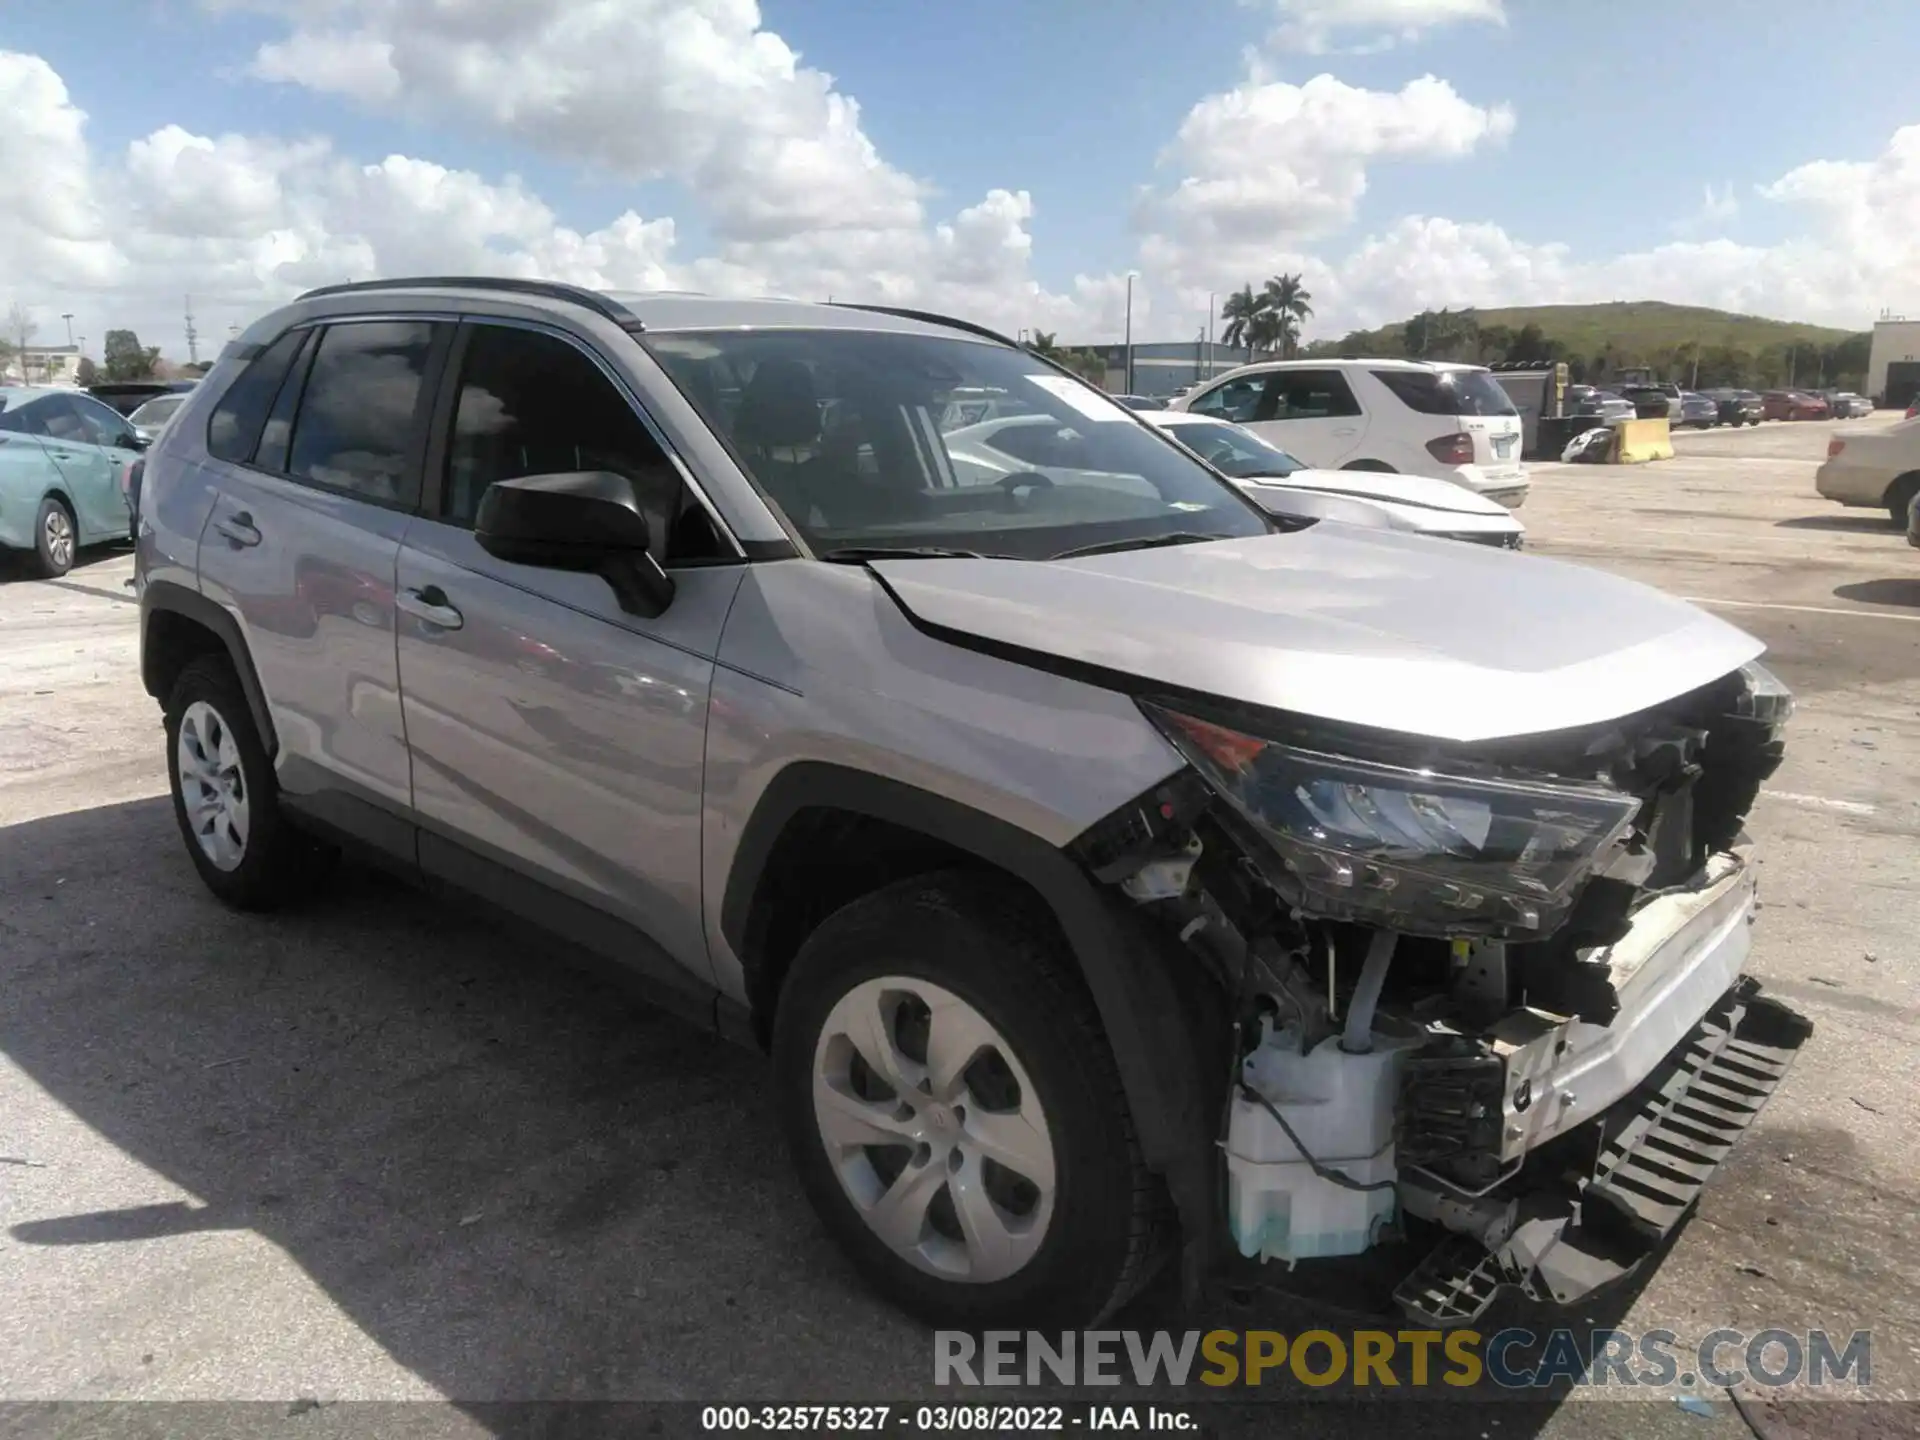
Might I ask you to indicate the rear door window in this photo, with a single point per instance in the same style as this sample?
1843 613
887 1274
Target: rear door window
1447 392
359 423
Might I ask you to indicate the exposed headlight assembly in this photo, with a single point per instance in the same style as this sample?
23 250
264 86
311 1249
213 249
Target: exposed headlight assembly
1409 850
1762 696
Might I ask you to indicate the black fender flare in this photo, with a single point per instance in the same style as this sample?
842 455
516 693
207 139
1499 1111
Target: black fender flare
1128 968
159 596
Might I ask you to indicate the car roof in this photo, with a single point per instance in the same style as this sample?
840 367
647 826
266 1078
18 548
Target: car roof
1184 417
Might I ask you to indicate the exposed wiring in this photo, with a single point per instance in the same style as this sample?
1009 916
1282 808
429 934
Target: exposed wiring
1332 1177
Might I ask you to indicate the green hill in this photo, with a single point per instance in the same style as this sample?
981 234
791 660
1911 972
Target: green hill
1655 325
1678 342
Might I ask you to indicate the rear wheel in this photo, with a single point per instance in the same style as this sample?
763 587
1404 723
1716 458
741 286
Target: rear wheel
955 1112
1900 498
1372 467
56 539
224 794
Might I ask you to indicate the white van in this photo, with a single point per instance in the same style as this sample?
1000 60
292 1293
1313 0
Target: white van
1408 417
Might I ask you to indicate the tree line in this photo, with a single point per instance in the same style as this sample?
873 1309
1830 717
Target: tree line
1459 335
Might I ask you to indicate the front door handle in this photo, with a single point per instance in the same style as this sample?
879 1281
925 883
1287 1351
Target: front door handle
239 529
431 605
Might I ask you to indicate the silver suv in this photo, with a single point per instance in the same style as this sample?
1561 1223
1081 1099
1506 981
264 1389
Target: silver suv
1112 870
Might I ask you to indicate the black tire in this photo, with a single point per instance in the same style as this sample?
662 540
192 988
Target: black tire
276 860
1900 498
48 562
994 945
1371 467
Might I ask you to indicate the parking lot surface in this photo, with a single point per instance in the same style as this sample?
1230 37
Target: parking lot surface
384 1149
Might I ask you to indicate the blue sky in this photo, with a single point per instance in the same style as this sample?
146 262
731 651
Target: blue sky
1614 140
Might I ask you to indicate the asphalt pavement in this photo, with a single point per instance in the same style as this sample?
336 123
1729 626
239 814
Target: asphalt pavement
385 1150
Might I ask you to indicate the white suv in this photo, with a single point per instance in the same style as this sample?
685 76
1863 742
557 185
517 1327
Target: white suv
1408 417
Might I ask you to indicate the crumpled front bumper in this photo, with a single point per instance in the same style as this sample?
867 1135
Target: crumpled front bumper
1662 1144
1683 1068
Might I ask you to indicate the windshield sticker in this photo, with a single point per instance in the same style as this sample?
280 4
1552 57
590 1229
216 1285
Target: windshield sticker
1089 403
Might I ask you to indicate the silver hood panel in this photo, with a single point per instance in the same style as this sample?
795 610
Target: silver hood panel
1363 627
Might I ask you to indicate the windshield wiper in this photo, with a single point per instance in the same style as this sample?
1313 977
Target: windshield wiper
860 554
1110 547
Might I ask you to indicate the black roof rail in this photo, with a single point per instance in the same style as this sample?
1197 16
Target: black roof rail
930 318
551 289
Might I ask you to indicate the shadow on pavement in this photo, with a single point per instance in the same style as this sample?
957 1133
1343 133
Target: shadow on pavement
1900 591
517 1181
1875 523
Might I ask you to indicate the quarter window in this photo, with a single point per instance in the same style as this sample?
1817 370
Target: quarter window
358 414
534 404
234 427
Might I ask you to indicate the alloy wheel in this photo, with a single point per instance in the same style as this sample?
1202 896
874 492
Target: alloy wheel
934 1129
59 534
213 785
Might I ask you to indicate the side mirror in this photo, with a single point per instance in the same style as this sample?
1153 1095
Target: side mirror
585 521
132 440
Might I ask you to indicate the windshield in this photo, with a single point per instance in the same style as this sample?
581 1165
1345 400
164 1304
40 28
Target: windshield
1448 392
1231 450
851 434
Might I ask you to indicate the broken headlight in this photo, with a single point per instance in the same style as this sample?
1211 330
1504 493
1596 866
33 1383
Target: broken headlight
1762 696
1409 850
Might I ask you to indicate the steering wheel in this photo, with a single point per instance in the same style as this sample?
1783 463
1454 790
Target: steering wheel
1024 480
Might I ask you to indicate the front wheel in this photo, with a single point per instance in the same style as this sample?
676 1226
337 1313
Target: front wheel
955 1112
56 539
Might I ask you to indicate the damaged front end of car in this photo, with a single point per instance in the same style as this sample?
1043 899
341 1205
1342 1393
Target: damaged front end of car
1487 1000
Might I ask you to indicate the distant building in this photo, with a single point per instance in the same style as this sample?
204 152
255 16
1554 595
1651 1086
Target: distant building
1166 367
44 365
1893 363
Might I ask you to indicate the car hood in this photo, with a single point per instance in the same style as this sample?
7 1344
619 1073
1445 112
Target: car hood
1365 627
1422 492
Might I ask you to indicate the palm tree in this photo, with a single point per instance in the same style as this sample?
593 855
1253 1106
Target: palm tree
1287 300
1241 310
1042 343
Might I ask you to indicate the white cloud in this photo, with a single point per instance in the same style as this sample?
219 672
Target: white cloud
1315 27
1268 165
694 90
1268 176
1717 208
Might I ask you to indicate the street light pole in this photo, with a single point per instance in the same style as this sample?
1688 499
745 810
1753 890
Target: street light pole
68 317
1129 341
1210 299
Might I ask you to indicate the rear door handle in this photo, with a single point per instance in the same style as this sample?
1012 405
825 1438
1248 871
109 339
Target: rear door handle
431 605
239 529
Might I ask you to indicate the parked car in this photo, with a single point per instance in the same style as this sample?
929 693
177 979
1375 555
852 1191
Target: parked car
1603 405
61 457
1142 402
1792 405
1698 412
1406 417
1654 402
150 418
1854 407
1010 819
1737 407
1913 410
127 396
1878 468
1284 486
